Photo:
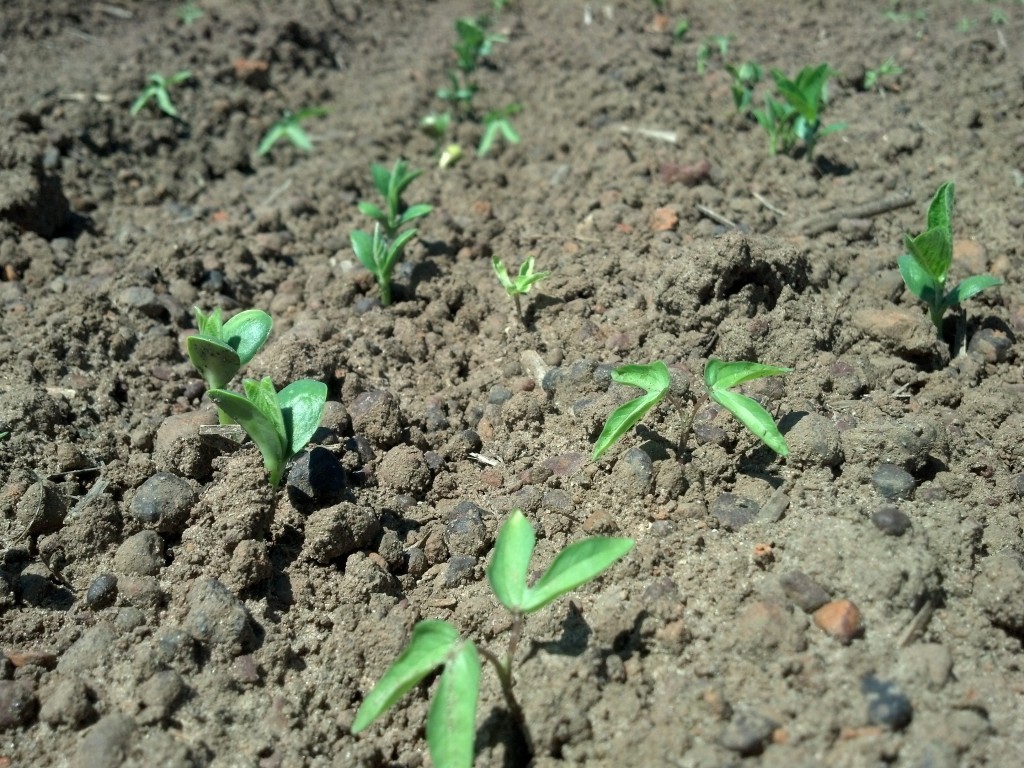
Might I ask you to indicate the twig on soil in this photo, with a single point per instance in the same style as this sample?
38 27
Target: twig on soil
652 133
98 487
485 459
917 625
766 204
716 217
115 10
276 193
830 221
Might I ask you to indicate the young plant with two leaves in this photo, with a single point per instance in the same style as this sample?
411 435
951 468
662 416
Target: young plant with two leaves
519 285
451 720
158 89
798 116
382 250
290 127
220 349
719 379
925 268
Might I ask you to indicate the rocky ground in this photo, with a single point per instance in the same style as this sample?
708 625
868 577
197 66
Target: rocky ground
857 603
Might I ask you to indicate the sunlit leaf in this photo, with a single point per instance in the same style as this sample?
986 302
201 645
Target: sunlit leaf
511 562
655 379
575 565
754 417
451 722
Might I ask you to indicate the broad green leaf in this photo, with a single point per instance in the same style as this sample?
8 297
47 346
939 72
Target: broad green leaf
264 397
362 244
511 562
797 100
575 565
940 211
216 362
655 379
257 426
719 375
451 722
754 417
918 281
430 645
302 407
246 332
933 251
972 286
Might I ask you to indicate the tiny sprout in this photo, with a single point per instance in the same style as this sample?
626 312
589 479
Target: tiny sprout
290 127
925 268
436 124
474 43
887 68
391 184
719 378
220 349
449 155
280 423
521 284
189 12
379 255
157 89
798 116
707 48
452 715
497 123
744 78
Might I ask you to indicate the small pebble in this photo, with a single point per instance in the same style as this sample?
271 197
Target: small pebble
887 705
891 520
66 702
217 618
893 482
990 345
339 530
18 703
841 619
140 555
164 502
747 733
460 571
465 532
316 479
734 511
804 591
102 591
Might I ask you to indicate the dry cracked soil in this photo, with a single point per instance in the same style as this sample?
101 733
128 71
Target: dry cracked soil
857 603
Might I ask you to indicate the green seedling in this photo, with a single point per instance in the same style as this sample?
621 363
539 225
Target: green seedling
280 423
519 285
474 42
887 68
925 267
391 184
189 13
449 155
4 435
437 644
459 93
681 28
798 116
220 349
708 47
290 127
744 78
436 124
497 123
719 378
380 255
158 90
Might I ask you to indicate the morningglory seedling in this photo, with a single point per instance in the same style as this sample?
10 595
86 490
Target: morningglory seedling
157 89
925 268
520 284
280 423
451 720
220 349
719 379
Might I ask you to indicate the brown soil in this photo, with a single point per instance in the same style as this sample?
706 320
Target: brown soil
158 608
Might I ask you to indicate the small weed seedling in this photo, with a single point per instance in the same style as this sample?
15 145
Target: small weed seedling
887 68
280 423
744 78
379 255
474 42
189 13
391 184
708 47
437 644
925 268
798 116
519 285
157 89
290 127
719 379
220 349
497 123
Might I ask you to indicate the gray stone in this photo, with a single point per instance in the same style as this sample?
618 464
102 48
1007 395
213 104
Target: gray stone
893 482
403 469
218 619
461 570
164 502
747 733
814 441
633 474
734 511
42 509
465 533
339 530
378 416
159 695
998 588
804 591
18 703
317 479
106 744
887 705
67 701
891 520
102 591
140 555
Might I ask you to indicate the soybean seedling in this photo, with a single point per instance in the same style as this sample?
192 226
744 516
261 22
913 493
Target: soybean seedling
220 349
496 124
798 116
157 89
719 379
437 644
280 423
391 184
521 283
290 127
925 268
379 255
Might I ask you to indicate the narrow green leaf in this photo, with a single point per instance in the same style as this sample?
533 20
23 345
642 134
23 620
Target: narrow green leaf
575 565
940 211
209 325
754 417
216 362
246 332
428 648
372 211
362 244
381 178
511 562
302 407
972 286
262 431
655 379
264 397
917 279
395 249
934 252
451 722
414 212
270 139
719 375
502 272
298 136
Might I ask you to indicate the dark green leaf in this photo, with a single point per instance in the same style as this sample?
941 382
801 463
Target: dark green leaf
917 279
575 565
246 332
972 286
381 179
451 722
511 562
655 379
373 211
362 244
302 408
428 648
414 212
934 252
216 362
